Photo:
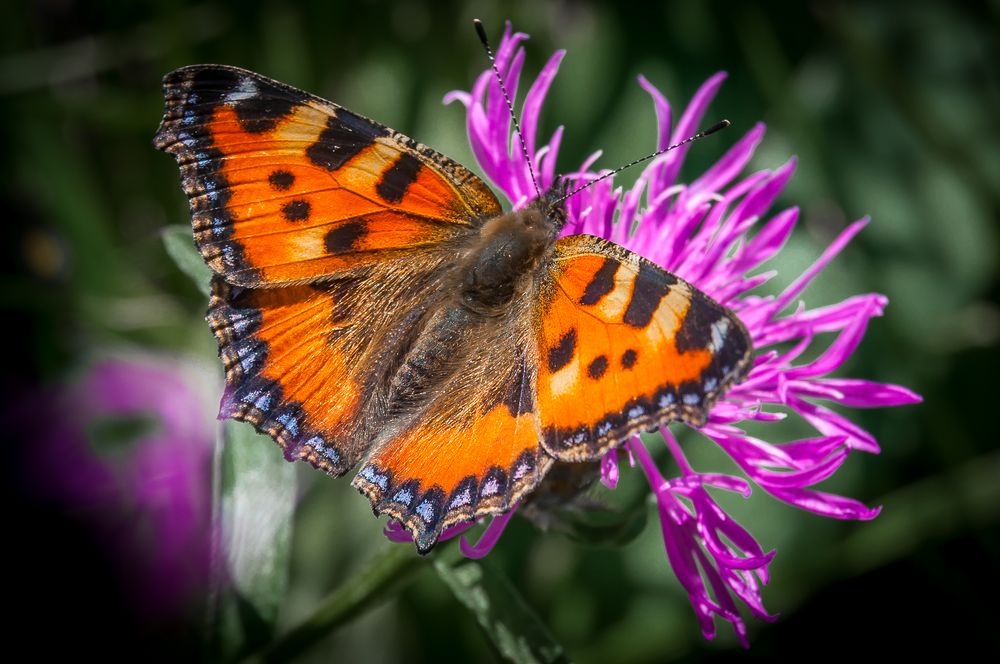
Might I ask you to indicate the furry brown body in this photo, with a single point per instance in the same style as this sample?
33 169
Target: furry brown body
505 257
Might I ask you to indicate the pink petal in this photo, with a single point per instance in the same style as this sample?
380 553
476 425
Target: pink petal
831 252
536 95
732 163
868 394
688 126
609 469
489 537
662 109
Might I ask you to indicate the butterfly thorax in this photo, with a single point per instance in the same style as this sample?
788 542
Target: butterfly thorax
504 255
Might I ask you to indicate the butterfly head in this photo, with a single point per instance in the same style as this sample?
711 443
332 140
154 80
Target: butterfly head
553 204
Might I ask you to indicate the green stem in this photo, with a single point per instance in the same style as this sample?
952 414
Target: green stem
387 572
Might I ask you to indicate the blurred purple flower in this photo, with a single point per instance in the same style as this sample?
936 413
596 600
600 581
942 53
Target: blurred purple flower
127 446
701 231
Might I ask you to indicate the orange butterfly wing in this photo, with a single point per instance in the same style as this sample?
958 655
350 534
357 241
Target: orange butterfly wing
474 449
274 379
286 187
625 347
302 362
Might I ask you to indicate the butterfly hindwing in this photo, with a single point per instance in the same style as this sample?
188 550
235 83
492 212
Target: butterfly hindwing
286 187
304 362
624 347
472 448
265 340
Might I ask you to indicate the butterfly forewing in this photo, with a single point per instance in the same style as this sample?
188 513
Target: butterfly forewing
624 347
286 187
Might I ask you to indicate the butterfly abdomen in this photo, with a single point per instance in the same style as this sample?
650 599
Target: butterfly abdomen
433 357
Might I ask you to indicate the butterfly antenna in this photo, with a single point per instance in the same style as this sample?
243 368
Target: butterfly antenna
510 107
690 139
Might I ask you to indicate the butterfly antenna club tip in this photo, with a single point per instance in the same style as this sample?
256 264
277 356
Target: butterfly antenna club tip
481 31
718 126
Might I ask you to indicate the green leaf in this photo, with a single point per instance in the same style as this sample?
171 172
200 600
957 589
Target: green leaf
254 504
179 244
513 627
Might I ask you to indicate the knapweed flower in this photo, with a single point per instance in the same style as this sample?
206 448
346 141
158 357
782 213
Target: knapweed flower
713 232
127 446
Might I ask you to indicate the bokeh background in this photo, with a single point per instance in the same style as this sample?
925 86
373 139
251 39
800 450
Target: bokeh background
111 380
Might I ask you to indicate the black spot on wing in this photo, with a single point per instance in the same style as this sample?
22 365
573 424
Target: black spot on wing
265 106
210 86
398 178
345 136
281 180
560 354
344 303
628 358
651 286
696 329
601 284
343 239
296 210
598 367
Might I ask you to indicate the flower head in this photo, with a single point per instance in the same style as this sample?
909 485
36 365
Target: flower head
128 447
713 232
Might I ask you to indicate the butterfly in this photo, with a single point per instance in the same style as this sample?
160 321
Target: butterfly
374 306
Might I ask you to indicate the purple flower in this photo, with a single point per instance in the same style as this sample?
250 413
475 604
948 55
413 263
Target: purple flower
713 232
127 446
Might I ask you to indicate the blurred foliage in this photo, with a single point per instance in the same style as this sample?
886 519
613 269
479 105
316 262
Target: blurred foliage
891 110
255 502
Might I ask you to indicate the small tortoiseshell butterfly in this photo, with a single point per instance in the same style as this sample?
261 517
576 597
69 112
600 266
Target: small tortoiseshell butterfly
373 303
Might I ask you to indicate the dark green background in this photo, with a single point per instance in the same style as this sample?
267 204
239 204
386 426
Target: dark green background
892 109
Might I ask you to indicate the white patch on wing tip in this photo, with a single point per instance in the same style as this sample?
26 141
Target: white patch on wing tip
247 90
719 330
